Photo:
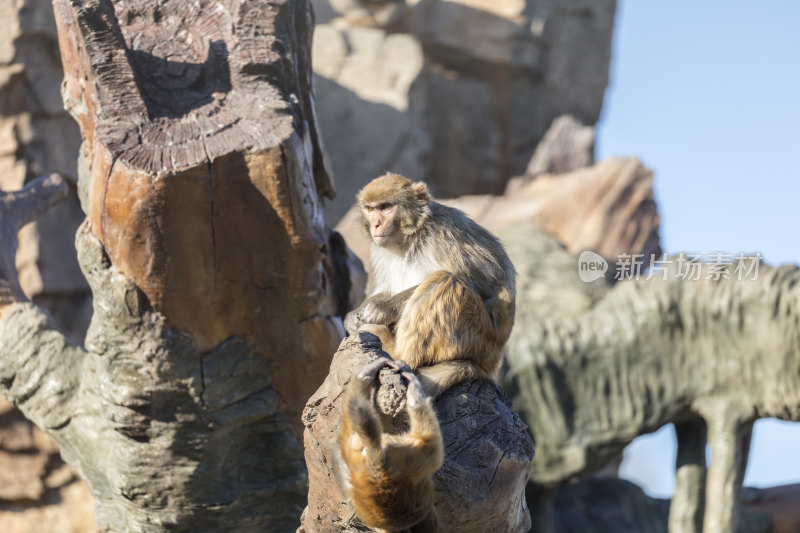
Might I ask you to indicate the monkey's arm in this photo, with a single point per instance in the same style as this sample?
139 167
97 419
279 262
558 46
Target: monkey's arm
420 450
358 417
382 308
388 476
360 427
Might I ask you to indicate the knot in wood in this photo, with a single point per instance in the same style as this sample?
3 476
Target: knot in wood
390 397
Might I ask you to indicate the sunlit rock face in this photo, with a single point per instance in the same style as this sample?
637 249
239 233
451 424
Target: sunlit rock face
458 93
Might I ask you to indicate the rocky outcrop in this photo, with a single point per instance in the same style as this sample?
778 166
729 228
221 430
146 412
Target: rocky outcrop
611 505
609 208
710 353
458 93
568 145
778 502
363 80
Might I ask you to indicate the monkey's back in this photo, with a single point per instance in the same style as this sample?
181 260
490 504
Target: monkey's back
388 502
481 257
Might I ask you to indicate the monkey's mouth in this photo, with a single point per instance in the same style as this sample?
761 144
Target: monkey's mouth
382 239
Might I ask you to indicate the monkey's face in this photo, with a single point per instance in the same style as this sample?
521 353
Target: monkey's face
383 223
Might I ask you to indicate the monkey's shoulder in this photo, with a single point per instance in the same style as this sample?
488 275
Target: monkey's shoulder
451 222
478 248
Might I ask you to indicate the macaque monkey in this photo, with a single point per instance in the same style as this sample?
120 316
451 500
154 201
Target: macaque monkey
442 284
388 477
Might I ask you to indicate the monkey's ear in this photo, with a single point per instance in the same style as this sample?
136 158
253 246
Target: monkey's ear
421 192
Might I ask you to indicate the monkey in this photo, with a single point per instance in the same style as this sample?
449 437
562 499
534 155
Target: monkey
388 477
443 288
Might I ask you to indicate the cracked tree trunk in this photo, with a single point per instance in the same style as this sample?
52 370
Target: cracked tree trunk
207 251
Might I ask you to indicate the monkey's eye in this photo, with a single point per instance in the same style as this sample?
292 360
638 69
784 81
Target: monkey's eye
384 206
368 208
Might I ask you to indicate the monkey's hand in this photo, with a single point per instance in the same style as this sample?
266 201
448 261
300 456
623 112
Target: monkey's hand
374 310
367 377
353 321
415 397
382 308
369 372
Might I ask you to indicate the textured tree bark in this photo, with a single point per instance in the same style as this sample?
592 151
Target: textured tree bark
480 487
208 255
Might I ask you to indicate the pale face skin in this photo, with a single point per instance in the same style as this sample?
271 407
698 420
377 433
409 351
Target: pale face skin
382 223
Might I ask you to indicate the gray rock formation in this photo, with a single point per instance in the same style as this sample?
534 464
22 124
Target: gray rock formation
458 93
723 349
611 505
568 145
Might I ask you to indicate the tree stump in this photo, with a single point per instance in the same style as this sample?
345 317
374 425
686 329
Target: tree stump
488 452
207 251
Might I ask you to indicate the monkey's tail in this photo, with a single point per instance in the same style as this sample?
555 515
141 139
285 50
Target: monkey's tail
438 378
364 421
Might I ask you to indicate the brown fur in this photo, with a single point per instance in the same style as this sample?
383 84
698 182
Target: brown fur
389 477
445 287
452 325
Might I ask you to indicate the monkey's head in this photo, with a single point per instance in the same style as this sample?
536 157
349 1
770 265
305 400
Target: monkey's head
393 208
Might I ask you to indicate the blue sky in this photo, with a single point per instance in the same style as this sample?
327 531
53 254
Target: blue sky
707 94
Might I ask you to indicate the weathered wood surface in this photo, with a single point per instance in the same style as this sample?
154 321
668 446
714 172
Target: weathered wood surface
208 255
204 172
488 452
